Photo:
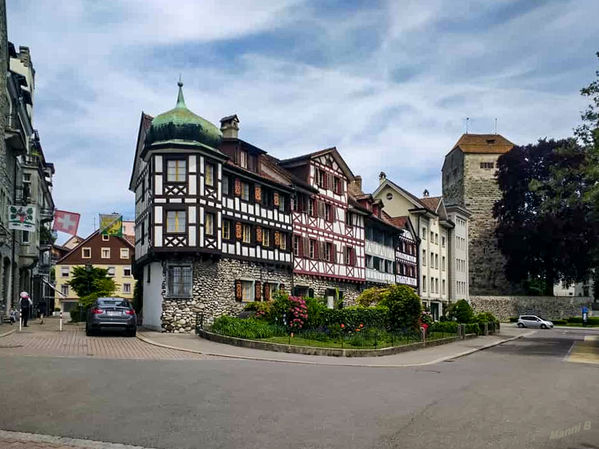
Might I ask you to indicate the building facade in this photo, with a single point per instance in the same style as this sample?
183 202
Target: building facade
469 181
25 179
114 254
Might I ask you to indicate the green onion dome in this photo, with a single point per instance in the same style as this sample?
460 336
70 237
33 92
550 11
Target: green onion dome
183 125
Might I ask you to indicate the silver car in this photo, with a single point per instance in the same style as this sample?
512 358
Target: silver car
534 321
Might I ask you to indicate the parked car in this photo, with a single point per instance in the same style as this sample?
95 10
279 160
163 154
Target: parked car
111 313
534 321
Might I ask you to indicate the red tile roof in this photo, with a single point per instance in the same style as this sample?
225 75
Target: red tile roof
484 143
431 202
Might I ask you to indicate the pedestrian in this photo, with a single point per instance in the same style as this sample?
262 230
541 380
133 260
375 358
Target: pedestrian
41 310
26 306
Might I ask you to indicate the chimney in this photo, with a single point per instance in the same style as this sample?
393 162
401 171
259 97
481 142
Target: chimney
382 177
358 181
229 126
25 56
425 194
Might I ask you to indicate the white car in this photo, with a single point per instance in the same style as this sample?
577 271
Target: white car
534 321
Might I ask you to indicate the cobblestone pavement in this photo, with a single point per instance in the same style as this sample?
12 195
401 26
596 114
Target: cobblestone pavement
47 340
20 440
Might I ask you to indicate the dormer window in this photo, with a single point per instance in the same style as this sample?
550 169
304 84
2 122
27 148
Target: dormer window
243 159
176 170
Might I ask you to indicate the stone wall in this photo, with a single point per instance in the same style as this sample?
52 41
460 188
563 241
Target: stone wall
350 290
550 307
214 291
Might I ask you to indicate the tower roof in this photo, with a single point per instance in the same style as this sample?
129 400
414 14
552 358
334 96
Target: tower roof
483 143
183 125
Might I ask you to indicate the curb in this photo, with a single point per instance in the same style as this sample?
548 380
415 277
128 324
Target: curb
358 365
6 334
63 441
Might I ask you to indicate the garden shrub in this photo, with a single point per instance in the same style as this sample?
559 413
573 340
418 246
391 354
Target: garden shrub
514 319
485 317
353 316
371 296
560 322
578 320
472 328
444 326
461 311
75 315
404 306
316 310
250 328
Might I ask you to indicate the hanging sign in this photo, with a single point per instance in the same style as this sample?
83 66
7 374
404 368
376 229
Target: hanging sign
21 218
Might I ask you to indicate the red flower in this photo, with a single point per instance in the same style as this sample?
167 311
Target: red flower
342 326
361 325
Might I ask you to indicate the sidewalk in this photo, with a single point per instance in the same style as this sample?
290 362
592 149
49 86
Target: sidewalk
427 356
21 440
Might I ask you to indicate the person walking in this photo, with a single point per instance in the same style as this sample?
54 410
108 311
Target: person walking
26 305
41 310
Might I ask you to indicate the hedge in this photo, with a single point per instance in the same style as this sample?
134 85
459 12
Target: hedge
444 326
578 320
250 328
354 316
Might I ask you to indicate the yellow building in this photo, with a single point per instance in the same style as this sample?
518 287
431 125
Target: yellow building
114 254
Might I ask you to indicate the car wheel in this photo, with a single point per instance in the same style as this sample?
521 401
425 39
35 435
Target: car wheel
543 326
131 333
88 331
520 325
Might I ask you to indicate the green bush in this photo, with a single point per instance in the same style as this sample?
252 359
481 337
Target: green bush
75 316
444 326
485 317
370 296
560 322
578 320
514 319
472 328
352 317
404 306
461 311
316 313
250 328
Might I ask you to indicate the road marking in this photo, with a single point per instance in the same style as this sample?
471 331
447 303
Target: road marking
63 441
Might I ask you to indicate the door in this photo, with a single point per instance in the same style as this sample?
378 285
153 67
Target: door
435 310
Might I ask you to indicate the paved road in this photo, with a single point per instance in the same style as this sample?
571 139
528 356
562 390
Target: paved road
521 394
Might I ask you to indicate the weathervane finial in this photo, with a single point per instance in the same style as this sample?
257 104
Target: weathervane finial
180 83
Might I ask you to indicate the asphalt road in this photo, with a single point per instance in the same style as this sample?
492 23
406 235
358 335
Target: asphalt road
511 396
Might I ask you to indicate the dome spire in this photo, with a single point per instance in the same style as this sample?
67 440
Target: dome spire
180 99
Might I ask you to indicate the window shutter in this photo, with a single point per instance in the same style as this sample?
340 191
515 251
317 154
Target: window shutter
258 291
277 238
330 181
275 199
334 253
306 246
333 213
266 291
282 288
258 234
237 187
258 193
238 231
238 290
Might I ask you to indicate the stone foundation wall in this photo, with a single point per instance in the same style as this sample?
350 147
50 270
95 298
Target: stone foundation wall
550 307
350 290
214 291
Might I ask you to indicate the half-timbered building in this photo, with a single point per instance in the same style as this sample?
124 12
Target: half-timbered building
213 226
328 230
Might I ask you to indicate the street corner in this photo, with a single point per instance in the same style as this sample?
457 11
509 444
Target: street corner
585 351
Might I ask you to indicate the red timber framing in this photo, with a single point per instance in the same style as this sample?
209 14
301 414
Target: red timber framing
328 234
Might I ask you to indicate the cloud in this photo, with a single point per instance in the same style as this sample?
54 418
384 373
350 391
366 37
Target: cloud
388 83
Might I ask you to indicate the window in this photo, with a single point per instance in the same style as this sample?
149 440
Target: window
436 238
265 237
443 241
322 179
25 236
369 261
126 288
124 253
64 289
337 185
424 258
423 233
432 260
245 191
281 203
389 266
443 263
348 219
283 242
175 221
436 261
350 258
423 283
327 252
209 225
65 271
312 249
443 284
110 271
105 237
226 230
328 215
175 170
105 254
247 233
179 281
243 159
247 291
312 207
296 245
487 165
209 175
432 237
127 272
225 185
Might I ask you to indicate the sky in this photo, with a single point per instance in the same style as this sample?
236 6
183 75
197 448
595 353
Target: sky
389 83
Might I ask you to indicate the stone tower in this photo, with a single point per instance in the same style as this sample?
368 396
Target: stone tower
469 181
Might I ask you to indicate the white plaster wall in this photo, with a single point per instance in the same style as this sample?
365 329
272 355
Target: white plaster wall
153 297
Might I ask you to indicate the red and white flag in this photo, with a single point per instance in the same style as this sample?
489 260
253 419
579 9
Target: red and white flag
66 222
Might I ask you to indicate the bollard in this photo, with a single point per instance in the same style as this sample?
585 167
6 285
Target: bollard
60 322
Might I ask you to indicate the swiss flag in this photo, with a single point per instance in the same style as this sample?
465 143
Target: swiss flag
66 222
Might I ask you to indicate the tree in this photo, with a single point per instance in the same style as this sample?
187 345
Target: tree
404 306
90 280
544 228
